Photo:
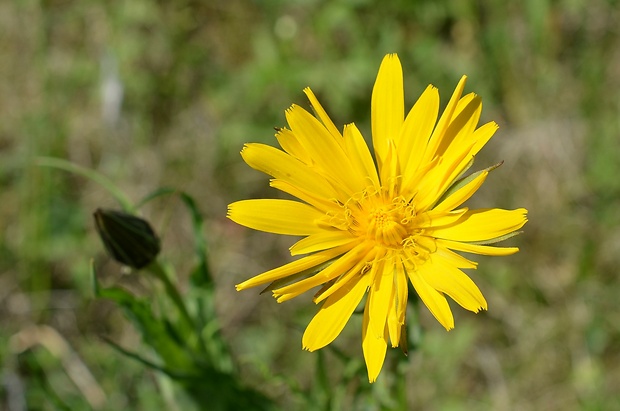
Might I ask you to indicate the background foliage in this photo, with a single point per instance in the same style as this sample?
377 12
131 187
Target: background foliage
164 94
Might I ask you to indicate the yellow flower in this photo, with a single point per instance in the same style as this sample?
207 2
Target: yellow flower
371 225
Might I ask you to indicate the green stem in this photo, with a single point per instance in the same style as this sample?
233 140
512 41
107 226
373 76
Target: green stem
172 291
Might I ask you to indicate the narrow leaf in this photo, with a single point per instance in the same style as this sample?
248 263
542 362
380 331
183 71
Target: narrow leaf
90 174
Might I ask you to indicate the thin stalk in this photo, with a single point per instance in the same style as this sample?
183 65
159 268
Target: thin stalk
156 269
92 175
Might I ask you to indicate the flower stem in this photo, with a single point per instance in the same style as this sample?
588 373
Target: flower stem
156 269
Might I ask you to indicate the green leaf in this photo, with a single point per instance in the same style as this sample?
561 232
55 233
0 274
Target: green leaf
118 295
172 293
153 330
150 364
90 174
160 192
201 276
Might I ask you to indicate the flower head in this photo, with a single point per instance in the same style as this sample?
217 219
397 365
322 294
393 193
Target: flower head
372 226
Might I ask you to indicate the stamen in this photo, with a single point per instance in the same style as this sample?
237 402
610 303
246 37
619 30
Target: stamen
389 222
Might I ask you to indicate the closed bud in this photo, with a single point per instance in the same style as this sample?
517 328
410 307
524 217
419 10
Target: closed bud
130 240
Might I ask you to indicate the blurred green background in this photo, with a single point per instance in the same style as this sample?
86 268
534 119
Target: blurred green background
155 93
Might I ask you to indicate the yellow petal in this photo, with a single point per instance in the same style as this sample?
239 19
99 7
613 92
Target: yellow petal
393 327
371 254
410 186
449 280
334 314
444 121
396 316
433 299
426 244
338 267
280 165
322 241
478 249
381 296
390 173
438 219
482 136
289 143
428 185
455 166
462 194
320 203
439 179
318 109
481 225
293 267
417 129
325 150
360 156
276 216
402 291
388 105
462 125
453 258
374 348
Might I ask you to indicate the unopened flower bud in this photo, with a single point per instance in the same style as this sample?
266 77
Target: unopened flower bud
130 240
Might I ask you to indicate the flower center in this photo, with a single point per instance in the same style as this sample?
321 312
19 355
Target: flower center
384 226
388 222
